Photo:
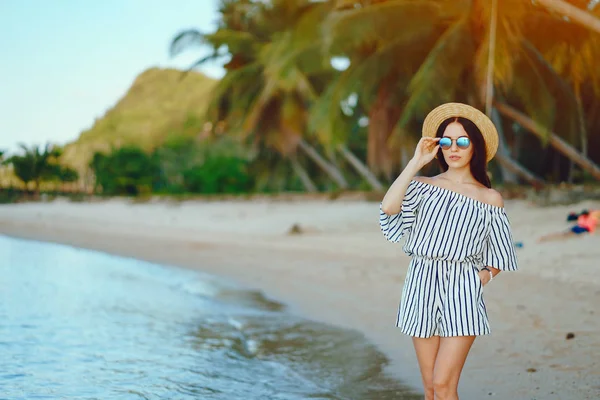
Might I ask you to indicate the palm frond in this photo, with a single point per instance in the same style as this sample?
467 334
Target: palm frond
531 90
234 82
236 42
186 40
350 30
439 77
572 50
211 57
256 111
554 105
326 121
512 18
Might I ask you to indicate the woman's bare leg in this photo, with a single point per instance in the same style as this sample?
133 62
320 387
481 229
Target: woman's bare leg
427 350
449 363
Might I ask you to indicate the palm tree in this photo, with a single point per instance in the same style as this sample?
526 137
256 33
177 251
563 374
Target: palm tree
475 51
384 61
564 45
573 51
455 38
2 162
381 60
275 71
553 139
518 71
66 175
34 165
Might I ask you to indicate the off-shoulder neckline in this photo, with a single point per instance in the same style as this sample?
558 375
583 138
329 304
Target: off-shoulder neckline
474 201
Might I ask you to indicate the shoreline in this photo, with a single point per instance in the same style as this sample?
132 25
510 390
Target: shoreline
341 271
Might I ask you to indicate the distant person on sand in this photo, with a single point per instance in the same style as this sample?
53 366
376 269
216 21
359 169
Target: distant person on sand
459 237
587 222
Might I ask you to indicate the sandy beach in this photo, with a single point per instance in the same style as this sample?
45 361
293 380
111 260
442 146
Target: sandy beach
340 270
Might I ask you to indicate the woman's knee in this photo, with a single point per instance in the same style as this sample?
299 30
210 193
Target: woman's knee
440 384
428 389
443 386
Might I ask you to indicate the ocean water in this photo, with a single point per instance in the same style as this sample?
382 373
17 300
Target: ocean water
77 324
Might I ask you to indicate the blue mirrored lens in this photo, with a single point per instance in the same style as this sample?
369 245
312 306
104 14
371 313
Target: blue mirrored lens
445 142
463 142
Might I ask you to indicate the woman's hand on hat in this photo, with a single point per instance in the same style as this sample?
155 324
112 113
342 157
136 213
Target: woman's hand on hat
426 150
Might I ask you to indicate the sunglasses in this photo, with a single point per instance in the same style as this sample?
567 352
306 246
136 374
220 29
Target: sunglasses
462 142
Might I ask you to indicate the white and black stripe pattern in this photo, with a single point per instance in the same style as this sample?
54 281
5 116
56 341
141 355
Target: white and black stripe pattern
450 237
442 298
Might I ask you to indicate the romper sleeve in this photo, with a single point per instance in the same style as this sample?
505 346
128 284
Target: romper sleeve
395 226
498 248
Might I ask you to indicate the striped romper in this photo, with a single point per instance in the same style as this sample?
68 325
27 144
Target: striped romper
450 237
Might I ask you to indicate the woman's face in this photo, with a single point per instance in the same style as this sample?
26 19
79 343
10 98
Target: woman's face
460 152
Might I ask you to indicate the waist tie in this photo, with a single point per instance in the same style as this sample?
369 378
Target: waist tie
471 261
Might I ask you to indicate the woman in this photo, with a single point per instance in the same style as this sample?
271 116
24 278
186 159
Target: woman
458 236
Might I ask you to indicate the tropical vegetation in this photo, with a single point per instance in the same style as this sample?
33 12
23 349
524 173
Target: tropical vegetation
34 165
330 95
531 65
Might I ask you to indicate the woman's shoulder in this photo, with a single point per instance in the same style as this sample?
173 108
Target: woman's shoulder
423 179
477 192
493 197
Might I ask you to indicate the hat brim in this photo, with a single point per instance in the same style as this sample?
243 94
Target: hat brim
486 126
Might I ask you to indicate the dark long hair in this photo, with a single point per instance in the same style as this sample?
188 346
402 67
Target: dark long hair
479 160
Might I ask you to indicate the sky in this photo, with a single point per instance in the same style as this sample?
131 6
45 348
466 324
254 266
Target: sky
65 62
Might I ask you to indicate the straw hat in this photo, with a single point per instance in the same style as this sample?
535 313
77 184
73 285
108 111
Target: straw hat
448 110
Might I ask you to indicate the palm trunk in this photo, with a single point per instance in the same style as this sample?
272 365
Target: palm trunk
508 166
582 130
360 167
516 168
582 127
563 147
574 14
489 93
404 157
508 170
591 115
329 169
383 116
303 175
36 189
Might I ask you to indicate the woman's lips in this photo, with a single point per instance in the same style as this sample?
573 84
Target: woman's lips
454 158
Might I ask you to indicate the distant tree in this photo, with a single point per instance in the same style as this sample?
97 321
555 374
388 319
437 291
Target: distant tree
35 165
275 70
218 173
66 175
176 155
125 171
2 162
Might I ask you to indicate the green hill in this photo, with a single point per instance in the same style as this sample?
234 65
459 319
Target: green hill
158 104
